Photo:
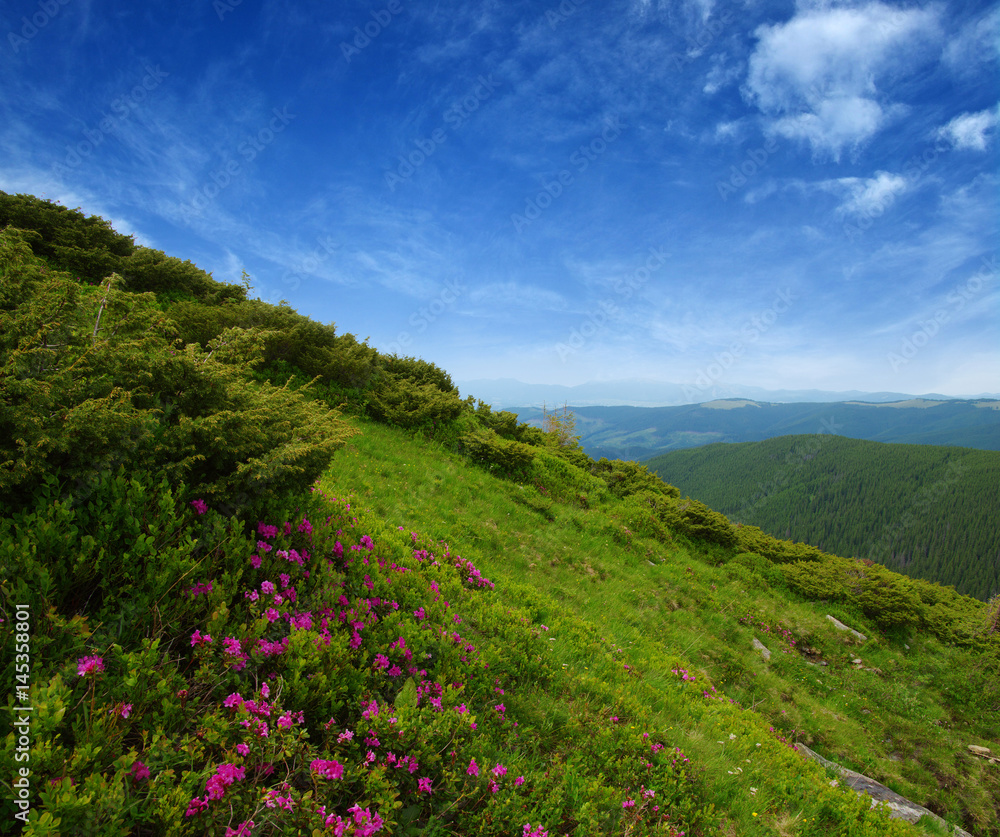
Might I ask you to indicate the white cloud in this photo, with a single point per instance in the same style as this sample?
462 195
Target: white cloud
867 196
968 131
871 196
815 76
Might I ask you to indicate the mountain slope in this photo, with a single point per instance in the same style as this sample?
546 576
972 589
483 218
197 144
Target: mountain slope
257 578
641 432
923 510
656 598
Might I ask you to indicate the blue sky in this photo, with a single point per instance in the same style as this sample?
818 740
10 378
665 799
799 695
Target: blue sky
779 194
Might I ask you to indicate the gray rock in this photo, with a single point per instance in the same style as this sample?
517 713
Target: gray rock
840 626
759 646
899 807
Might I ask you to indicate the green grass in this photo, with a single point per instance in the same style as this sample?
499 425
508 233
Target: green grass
677 604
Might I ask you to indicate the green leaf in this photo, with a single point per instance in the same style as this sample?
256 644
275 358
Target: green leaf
407 697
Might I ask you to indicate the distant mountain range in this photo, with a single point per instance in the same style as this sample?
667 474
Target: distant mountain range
507 393
639 433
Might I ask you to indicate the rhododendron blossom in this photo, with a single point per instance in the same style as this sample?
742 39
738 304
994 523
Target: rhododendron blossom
89 665
328 769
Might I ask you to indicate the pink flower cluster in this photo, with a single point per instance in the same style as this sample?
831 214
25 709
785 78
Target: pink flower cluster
365 823
215 787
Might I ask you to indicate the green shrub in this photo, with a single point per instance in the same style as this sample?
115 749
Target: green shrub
816 579
625 478
90 381
887 598
507 458
404 403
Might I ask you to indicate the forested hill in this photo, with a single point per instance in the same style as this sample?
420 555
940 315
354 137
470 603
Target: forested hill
929 512
641 432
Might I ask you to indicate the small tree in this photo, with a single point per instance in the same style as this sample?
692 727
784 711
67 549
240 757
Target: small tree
562 426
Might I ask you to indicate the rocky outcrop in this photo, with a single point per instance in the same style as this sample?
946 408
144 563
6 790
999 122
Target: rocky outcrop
899 807
984 753
759 646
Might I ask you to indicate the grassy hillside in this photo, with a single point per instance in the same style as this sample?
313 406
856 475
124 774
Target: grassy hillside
929 512
642 432
258 579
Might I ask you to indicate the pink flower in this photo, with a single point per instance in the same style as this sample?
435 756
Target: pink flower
328 769
424 785
199 506
196 806
274 800
87 665
243 830
198 638
519 781
473 769
126 710
243 749
499 771
139 770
